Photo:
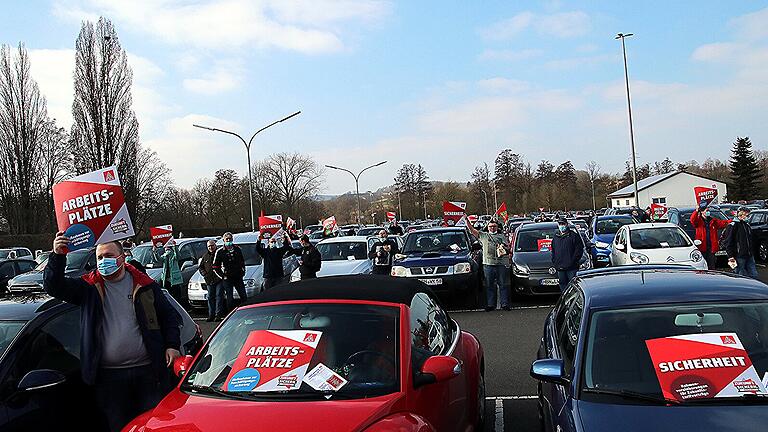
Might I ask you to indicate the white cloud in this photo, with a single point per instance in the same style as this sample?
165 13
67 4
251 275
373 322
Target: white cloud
509 55
499 84
752 26
311 27
560 24
225 77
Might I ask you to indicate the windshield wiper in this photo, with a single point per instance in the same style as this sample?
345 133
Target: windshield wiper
632 395
216 392
750 398
299 394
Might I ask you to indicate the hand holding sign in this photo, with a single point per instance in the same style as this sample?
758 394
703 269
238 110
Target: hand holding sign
60 243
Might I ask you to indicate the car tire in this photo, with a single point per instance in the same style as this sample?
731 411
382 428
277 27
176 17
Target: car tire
481 418
762 251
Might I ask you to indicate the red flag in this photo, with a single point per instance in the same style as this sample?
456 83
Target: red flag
502 211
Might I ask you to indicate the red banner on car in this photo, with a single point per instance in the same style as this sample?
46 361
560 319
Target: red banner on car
273 360
544 244
705 195
703 365
453 212
91 209
161 234
269 225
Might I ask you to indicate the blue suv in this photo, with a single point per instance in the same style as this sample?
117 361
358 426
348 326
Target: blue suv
602 232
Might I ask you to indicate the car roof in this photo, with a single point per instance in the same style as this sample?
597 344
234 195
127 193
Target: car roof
180 241
636 286
652 225
345 239
25 306
379 288
614 216
538 226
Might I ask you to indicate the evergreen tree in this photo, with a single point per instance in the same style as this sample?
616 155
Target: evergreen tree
745 172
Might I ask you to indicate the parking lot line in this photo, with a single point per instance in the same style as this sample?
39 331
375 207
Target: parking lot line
499 424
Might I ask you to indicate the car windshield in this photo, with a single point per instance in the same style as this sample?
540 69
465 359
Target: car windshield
690 351
8 331
434 241
611 226
534 240
76 259
316 235
357 342
655 238
342 251
4 253
144 255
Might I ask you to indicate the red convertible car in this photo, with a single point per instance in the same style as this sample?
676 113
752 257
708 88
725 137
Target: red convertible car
348 353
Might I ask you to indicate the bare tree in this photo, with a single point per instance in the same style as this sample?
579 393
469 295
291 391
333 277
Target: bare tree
294 176
264 191
23 123
105 130
154 186
593 170
55 166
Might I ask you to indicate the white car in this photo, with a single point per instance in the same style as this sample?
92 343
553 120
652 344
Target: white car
655 243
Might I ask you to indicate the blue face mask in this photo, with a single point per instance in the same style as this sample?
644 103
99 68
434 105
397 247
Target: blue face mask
228 243
562 228
108 266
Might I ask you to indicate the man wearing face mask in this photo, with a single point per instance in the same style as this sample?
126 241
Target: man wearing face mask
706 232
272 254
741 255
382 253
212 283
567 250
495 264
129 334
229 265
310 259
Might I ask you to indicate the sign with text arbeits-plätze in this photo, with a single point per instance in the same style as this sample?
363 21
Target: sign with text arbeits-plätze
91 209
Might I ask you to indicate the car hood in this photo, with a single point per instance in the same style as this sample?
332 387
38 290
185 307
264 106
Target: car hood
182 412
630 418
533 260
335 268
604 238
433 259
27 278
667 255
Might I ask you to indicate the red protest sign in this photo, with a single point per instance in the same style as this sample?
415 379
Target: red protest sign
453 211
391 216
658 211
273 360
161 234
269 225
329 225
705 195
544 244
703 365
472 219
91 209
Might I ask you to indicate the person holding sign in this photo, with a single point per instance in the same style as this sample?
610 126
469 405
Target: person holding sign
567 250
495 264
272 254
706 232
229 265
382 253
741 255
171 277
130 333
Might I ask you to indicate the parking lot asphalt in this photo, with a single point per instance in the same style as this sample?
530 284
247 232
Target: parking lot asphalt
510 340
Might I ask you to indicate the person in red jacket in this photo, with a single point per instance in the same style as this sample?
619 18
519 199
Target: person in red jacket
706 231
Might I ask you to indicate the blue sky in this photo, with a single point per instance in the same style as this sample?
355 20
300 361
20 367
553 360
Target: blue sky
447 84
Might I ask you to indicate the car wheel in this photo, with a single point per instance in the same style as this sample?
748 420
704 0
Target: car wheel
762 251
480 424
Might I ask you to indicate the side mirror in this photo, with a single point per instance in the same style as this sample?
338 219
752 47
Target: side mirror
697 242
41 378
620 246
186 264
181 365
476 246
437 369
550 371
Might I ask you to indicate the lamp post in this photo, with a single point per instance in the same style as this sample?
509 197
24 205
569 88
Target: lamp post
495 199
485 195
357 183
248 153
623 36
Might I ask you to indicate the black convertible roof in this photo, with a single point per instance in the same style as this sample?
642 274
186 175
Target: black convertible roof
357 287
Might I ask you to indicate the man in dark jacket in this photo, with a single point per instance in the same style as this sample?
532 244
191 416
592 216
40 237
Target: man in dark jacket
229 265
382 253
212 284
129 336
706 232
395 228
567 250
272 254
741 255
310 259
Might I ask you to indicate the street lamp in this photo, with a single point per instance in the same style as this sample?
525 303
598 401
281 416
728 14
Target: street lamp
623 36
486 200
357 183
248 152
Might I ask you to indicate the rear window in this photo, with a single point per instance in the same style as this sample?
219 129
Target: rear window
528 240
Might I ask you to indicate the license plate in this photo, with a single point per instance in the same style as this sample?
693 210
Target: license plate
721 253
550 282
602 258
436 281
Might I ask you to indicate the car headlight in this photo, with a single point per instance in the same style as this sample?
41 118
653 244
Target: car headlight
586 265
696 256
195 286
602 245
400 271
462 268
249 283
638 258
519 270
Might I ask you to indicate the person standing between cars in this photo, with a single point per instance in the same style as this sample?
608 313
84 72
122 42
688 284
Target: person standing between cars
495 264
740 250
310 258
395 228
706 232
171 278
272 254
567 250
130 333
212 284
640 216
229 265
382 254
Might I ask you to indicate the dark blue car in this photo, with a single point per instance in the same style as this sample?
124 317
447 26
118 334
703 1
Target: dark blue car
595 370
602 231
